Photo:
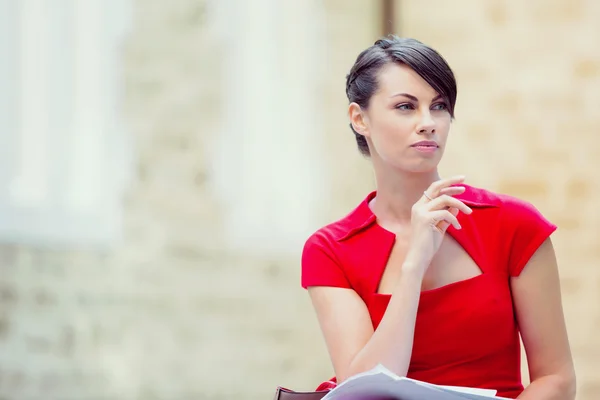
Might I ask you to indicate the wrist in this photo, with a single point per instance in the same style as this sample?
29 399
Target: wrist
414 269
414 262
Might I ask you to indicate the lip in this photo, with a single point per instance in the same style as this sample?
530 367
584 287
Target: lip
425 143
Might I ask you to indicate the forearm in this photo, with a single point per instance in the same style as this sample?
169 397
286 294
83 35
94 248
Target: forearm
391 343
551 387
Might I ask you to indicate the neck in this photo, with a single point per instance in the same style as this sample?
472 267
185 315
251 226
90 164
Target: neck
398 191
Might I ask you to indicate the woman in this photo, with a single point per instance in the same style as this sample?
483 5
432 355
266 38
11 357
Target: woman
431 277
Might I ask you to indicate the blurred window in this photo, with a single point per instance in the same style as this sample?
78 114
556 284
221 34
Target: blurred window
65 156
268 157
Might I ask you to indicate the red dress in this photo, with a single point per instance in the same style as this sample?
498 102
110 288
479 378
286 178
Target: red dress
466 332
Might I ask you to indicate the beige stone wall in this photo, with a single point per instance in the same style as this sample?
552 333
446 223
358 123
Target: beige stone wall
174 315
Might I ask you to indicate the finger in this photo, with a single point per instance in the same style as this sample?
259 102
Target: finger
444 186
436 187
450 191
453 190
444 216
446 202
443 225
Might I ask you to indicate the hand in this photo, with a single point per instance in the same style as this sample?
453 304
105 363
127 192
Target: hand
431 216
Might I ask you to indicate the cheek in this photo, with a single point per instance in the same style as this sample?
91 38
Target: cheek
390 126
443 125
388 136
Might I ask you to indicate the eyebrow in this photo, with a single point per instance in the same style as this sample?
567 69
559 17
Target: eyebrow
413 98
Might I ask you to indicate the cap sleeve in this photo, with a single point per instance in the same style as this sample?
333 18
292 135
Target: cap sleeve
320 266
527 230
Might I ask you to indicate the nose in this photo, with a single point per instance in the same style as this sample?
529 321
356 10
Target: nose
426 123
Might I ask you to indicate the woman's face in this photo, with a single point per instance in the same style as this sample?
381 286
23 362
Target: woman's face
407 122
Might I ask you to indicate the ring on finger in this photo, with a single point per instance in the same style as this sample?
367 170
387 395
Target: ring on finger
427 196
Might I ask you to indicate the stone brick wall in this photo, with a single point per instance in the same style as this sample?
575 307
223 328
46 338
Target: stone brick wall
173 314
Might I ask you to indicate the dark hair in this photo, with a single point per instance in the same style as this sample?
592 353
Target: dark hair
361 82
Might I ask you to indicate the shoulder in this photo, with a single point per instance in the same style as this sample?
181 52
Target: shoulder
519 226
329 238
343 228
511 209
329 234
321 264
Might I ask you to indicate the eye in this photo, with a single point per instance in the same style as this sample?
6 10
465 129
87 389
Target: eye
404 106
440 107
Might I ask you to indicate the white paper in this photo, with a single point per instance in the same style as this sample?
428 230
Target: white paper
382 384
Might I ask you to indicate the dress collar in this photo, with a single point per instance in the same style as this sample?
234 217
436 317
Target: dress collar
362 217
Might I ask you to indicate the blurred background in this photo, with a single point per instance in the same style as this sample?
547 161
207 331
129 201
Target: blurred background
162 163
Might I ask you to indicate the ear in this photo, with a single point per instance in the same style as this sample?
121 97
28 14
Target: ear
358 119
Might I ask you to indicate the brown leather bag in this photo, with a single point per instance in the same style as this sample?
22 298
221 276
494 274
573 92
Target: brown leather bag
286 394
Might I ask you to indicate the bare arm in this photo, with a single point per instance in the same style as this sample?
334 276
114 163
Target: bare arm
352 343
537 298
346 325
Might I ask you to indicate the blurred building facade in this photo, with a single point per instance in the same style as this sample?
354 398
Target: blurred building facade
224 137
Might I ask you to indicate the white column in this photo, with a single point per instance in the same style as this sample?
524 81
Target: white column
30 187
64 144
267 166
97 144
9 51
87 139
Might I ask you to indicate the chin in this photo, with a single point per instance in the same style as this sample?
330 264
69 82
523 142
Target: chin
409 163
421 170
417 167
